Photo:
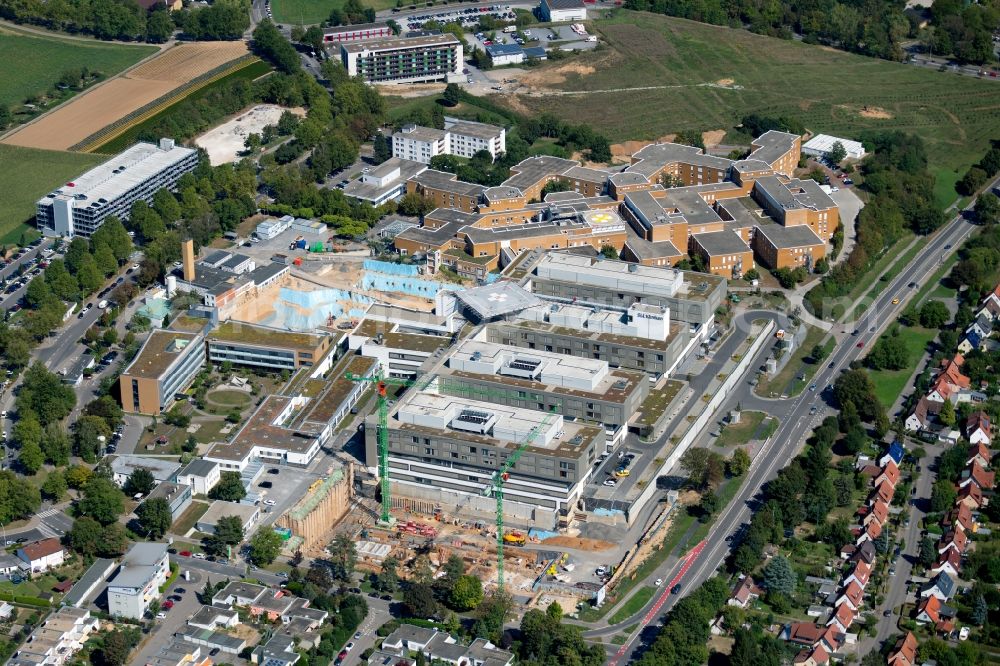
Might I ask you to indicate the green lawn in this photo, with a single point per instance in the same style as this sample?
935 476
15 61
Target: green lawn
684 65
229 398
787 381
890 383
633 605
27 174
742 432
308 12
33 63
189 518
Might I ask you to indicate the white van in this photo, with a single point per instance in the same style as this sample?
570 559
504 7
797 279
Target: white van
102 305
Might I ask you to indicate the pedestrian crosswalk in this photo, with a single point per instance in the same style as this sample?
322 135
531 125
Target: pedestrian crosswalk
48 512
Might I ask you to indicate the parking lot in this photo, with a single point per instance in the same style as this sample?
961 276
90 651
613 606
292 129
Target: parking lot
466 17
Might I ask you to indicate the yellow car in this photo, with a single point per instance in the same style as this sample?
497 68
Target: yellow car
621 472
895 301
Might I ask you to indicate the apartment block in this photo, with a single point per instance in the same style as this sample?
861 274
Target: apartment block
80 206
57 639
405 59
724 253
447 448
788 247
460 137
144 568
263 347
165 366
794 202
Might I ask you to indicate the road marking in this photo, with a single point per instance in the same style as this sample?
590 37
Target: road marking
689 560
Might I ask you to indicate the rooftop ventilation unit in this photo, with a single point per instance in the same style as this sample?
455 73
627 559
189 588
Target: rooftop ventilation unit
620 385
473 420
476 355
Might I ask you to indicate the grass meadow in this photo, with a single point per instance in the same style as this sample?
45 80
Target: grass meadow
655 75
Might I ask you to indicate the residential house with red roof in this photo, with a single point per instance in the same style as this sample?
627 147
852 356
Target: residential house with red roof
959 518
979 453
853 594
862 571
879 512
977 430
954 540
978 475
889 473
905 651
41 556
949 562
843 617
971 496
745 593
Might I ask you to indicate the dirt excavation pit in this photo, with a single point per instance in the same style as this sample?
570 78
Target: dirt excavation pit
578 543
226 142
876 112
713 137
550 77
621 152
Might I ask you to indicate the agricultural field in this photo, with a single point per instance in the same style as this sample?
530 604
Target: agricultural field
309 12
28 174
33 63
92 111
655 75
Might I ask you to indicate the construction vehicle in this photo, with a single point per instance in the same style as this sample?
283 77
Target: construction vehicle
514 539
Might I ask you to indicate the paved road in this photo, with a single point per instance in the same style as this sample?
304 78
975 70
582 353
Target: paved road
896 594
176 618
796 426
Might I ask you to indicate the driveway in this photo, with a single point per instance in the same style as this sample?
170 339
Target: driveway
176 617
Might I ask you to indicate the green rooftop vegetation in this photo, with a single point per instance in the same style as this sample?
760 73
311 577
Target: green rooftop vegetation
657 401
257 335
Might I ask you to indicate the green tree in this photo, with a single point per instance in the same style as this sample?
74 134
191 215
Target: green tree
452 94
89 275
418 600
928 552
837 153
466 594
987 208
102 500
85 536
943 495
55 486
229 488
779 576
28 431
77 476
738 463
56 445
265 546
387 579
31 458
159 27
947 413
154 517
105 260
889 353
115 646
87 438
980 611
228 532
44 393
934 314
139 481
856 386
343 557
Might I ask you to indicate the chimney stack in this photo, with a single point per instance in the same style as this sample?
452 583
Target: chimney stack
187 253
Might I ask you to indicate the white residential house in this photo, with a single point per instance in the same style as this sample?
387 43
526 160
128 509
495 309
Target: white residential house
41 556
201 475
145 567
60 636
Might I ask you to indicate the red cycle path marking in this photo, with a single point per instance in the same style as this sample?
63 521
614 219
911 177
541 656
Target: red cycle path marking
689 560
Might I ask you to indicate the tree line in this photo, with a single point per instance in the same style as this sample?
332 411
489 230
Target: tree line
126 20
869 27
901 199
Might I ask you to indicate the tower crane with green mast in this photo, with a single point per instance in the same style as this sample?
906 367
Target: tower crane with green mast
499 478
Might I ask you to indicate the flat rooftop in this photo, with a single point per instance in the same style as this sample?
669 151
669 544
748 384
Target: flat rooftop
497 299
442 39
614 275
421 133
432 237
415 342
783 237
771 145
262 430
477 130
530 171
644 249
326 405
371 191
431 412
603 338
252 334
121 173
555 373
650 160
447 182
161 349
221 508
717 243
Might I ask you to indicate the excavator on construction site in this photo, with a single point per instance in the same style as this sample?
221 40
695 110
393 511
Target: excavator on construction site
514 538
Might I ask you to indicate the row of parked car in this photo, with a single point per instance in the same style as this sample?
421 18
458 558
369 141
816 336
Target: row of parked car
466 17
